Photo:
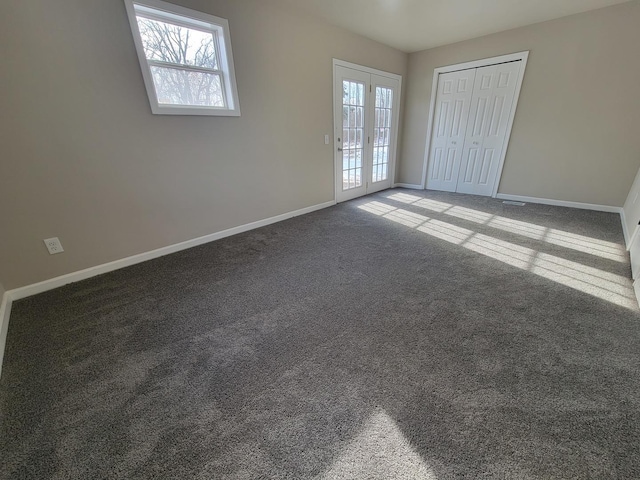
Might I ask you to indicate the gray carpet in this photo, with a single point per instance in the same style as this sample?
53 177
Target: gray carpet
403 335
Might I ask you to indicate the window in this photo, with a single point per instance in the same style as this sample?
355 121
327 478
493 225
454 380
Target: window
185 58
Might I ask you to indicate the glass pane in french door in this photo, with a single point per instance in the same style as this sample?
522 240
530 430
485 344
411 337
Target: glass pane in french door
353 133
382 134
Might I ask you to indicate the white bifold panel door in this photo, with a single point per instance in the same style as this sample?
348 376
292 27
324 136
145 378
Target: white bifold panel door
472 114
366 119
452 113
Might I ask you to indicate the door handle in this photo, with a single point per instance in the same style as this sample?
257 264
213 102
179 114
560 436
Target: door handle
339 149
475 143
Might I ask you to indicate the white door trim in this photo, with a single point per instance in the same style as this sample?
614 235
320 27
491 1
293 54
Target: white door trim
373 71
362 68
523 56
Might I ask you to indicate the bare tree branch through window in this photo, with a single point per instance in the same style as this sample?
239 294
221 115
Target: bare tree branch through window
184 63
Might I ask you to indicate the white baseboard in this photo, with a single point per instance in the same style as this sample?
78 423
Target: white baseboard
40 287
5 311
62 280
584 206
560 203
408 185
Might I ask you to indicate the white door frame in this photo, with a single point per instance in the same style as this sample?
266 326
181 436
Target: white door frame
396 119
523 56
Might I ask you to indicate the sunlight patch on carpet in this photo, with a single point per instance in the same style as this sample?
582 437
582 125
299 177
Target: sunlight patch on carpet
553 236
380 450
599 283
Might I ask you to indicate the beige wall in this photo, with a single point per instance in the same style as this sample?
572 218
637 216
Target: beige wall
82 158
575 135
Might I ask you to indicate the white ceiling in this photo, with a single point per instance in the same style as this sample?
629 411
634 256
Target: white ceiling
413 25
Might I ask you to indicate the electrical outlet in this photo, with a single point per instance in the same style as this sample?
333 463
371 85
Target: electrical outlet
53 245
326 139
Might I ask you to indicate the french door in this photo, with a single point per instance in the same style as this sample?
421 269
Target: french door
470 127
365 127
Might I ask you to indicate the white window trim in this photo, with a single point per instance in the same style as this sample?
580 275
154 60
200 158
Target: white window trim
199 21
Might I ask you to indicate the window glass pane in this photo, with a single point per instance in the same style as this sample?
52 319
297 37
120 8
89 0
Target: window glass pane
177 44
379 98
187 87
352 94
360 117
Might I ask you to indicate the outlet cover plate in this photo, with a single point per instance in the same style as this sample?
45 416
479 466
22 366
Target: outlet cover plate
53 245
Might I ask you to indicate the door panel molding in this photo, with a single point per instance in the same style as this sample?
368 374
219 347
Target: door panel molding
513 57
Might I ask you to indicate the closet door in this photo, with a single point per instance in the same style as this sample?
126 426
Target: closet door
493 95
451 116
